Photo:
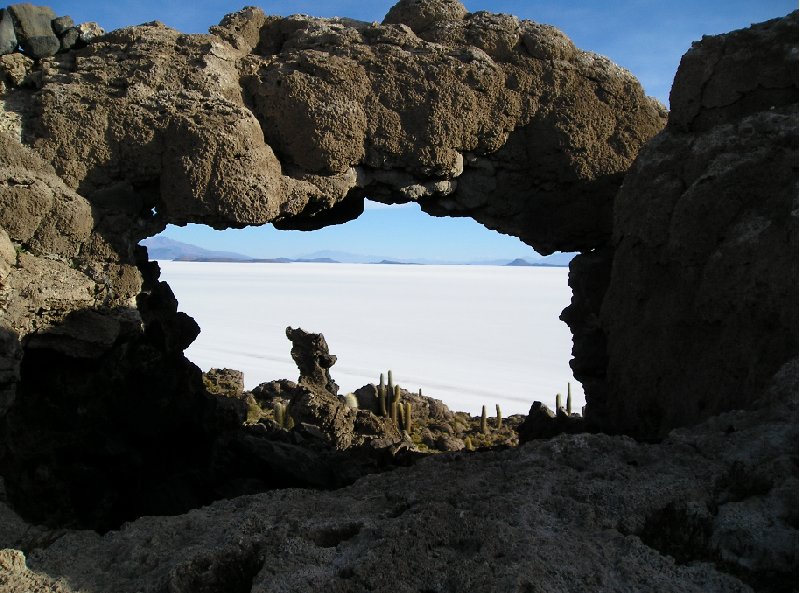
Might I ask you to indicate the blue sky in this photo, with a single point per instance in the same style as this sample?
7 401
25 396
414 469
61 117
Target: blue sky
648 37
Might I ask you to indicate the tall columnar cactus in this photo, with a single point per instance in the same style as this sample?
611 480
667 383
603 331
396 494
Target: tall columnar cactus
499 417
409 422
382 400
558 402
390 388
280 414
484 423
401 416
381 391
395 404
569 399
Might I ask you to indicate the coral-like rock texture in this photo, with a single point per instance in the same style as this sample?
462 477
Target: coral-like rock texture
700 309
292 121
684 307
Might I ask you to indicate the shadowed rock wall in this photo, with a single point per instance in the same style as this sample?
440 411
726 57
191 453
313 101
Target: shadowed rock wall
700 308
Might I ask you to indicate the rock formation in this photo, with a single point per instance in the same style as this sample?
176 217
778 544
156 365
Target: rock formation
693 308
711 508
285 120
684 305
36 31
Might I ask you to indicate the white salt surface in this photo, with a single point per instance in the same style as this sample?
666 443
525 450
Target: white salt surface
468 335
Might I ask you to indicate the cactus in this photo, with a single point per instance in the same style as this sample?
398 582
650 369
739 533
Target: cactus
484 424
350 401
401 416
289 421
395 403
382 399
468 443
499 417
569 399
408 417
390 389
279 414
558 402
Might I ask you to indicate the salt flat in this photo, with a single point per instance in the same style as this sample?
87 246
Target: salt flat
468 335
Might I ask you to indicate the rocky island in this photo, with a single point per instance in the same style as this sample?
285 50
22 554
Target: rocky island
125 468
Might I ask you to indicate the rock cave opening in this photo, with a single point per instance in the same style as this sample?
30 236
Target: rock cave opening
465 314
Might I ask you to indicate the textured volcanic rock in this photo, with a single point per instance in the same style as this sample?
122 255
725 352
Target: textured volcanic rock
712 508
701 305
502 120
678 314
291 121
34 30
312 357
8 38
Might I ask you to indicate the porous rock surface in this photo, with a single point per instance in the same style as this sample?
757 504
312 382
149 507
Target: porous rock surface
712 508
693 307
294 121
285 120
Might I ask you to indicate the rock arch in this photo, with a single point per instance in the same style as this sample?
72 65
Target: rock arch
294 121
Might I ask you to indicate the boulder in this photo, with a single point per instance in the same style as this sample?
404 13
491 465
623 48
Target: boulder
420 15
281 390
8 38
446 442
16 70
62 24
89 32
543 423
70 38
367 398
227 382
34 30
326 411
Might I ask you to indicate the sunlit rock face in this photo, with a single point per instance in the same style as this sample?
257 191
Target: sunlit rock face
700 309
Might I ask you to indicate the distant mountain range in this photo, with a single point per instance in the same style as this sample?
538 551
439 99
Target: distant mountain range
165 248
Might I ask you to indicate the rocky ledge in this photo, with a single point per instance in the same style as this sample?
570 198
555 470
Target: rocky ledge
712 508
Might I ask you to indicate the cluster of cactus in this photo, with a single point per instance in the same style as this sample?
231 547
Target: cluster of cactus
568 409
282 417
399 413
485 420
